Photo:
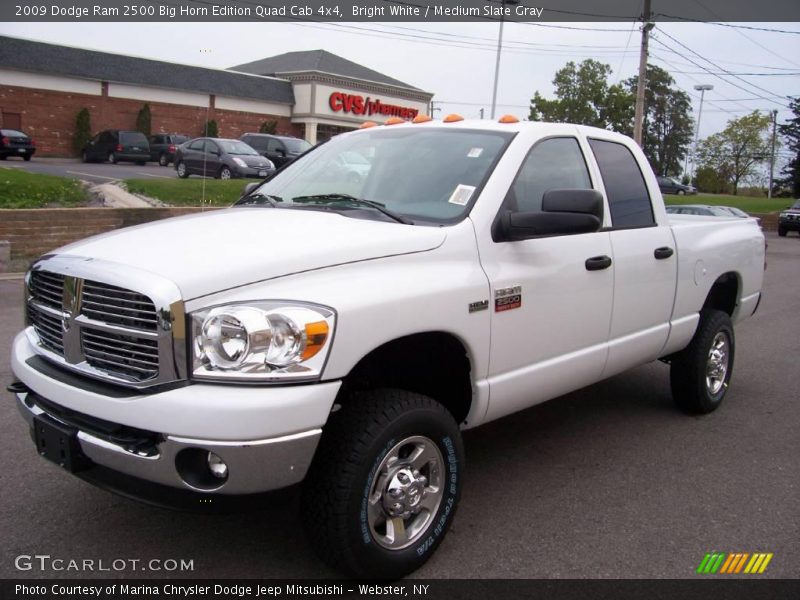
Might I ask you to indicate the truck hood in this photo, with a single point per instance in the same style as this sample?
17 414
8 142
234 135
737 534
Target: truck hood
222 249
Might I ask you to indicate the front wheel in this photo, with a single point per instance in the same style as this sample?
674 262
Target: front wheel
700 374
224 173
681 193
183 173
384 485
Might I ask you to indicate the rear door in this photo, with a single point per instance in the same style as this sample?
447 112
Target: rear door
645 262
193 156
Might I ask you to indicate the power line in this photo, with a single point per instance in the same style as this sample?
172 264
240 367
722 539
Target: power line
707 70
730 25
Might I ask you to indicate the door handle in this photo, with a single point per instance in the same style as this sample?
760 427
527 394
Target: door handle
662 253
598 263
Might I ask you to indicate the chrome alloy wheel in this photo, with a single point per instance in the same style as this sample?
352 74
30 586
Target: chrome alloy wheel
405 493
717 365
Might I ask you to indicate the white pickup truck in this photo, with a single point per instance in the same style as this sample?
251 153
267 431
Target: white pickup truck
341 326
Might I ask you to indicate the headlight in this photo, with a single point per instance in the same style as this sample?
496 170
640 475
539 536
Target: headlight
261 341
784 215
239 162
270 164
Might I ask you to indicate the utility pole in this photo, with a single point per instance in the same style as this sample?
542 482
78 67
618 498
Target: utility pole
500 48
638 120
772 153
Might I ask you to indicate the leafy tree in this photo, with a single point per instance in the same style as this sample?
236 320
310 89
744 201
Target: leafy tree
581 96
668 125
268 127
790 131
210 129
83 130
737 151
143 120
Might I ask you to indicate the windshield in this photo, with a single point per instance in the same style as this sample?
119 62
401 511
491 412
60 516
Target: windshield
796 205
236 147
296 146
422 173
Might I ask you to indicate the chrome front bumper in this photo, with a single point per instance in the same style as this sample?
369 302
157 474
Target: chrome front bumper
253 466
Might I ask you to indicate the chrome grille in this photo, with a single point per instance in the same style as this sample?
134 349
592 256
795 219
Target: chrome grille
112 304
47 288
134 357
82 318
49 329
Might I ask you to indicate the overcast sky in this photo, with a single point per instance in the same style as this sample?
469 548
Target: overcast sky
458 63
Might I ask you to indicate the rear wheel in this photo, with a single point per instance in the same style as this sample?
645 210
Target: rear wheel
183 173
27 157
163 160
781 232
84 157
112 158
384 485
700 373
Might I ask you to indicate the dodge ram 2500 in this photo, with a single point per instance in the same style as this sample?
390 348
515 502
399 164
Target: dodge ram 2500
341 332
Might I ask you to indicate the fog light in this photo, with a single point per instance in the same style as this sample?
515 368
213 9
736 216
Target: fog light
217 466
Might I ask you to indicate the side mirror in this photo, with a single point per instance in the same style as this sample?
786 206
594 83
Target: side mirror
249 188
564 212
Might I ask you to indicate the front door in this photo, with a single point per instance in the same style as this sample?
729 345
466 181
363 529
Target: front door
551 296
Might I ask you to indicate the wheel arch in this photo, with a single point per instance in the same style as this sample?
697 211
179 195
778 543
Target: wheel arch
724 293
432 363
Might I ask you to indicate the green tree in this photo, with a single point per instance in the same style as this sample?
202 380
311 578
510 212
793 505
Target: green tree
143 120
83 130
268 127
668 124
737 151
210 129
790 131
581 96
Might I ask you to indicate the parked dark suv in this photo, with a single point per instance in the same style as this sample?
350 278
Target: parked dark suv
280 149
16 143
163 146
220 158
789 219
115 145
669 185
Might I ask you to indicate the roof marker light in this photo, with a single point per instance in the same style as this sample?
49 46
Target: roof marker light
394 121
508 119
368 124
454 118
422 119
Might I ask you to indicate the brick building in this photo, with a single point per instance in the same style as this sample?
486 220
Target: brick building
312 95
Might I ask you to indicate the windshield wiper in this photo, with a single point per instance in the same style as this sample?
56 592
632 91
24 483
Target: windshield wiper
324 198
257 198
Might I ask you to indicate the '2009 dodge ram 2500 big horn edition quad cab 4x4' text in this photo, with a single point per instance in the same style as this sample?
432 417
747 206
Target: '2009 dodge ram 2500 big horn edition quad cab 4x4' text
342 332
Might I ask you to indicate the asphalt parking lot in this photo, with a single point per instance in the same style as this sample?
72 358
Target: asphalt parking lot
93 172
610 481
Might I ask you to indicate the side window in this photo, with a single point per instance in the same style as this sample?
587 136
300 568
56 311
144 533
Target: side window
273 145
197 145
211 148
258 144
628 199
555 163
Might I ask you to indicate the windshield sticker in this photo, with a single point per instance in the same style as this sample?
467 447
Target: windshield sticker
462 194
475 153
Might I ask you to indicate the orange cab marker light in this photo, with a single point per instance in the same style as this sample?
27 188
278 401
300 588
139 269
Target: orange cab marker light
368 124
454 118
422 119
316 335
508 119
394 121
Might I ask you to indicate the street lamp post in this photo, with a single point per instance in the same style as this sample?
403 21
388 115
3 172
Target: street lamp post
702 89
499 50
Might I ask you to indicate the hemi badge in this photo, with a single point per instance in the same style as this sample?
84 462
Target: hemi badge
478 306
508 298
